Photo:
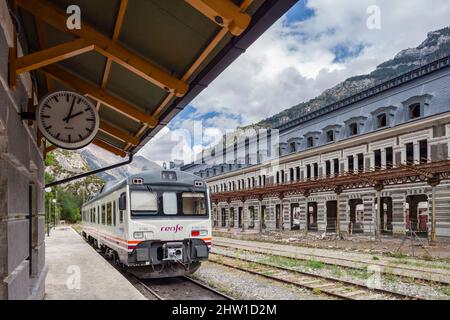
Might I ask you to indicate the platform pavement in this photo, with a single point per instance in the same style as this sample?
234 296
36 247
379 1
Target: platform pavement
77 272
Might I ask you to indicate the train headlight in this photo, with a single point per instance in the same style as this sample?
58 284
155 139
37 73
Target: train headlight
143 235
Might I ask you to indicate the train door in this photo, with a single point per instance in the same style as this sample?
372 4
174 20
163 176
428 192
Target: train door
278 216
331 216
311 217
295 216
356 216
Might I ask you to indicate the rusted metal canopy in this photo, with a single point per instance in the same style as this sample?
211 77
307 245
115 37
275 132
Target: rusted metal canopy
140 61
426 172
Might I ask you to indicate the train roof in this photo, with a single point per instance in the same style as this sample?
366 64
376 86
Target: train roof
153 177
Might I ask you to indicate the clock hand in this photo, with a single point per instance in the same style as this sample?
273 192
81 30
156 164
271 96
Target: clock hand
74 115
66 119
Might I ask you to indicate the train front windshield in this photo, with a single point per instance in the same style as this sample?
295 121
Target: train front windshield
168 203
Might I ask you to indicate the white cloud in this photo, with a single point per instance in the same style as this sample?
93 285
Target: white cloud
294 62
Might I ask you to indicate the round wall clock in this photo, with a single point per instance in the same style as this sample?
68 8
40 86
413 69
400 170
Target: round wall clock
67 119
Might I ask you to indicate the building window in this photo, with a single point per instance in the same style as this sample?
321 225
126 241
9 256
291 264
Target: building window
328 168
377 154
410 153
224 217
278 177
291 174
251 223
360 162
351 164
282 176
310 142
414 111
336 167
293 147
330 136
308 171
423 151
381 120
297 173
353 128
316 170
389 158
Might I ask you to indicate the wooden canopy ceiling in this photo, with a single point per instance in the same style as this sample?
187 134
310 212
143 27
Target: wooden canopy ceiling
140 61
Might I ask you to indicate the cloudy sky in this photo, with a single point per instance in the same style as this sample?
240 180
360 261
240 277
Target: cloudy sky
314 46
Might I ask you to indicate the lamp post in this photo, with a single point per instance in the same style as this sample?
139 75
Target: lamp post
48 190
54 201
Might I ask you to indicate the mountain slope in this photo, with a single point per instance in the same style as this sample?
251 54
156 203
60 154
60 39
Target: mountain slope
436 45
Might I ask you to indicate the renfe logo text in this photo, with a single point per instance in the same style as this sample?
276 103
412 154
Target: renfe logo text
173 229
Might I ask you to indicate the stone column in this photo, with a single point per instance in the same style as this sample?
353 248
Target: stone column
433 182
338 191
378 188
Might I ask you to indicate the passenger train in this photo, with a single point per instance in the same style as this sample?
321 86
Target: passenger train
156 224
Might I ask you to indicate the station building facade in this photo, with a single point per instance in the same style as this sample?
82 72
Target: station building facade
400 126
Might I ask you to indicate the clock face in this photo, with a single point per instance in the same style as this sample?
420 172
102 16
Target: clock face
67 119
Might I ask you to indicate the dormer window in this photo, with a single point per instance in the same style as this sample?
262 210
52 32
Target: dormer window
355 125
312 138
381 120
353 129
384 117
417 106
331 133
414 111
292 147
330 136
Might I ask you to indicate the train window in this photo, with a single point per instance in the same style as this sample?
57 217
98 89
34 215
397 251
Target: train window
144 202
108 213
170 203
194 203
114 213
103 213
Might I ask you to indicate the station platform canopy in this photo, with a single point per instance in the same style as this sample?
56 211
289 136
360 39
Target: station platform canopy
140 61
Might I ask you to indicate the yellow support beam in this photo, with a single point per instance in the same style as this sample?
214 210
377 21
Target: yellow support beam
104 145
224 13
117 133
99 94
55 17
52 55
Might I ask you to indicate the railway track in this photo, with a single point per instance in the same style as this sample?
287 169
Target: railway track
317 283
180 288
398 270
177 288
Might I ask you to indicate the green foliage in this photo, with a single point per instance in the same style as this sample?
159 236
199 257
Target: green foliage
70 205
49 159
